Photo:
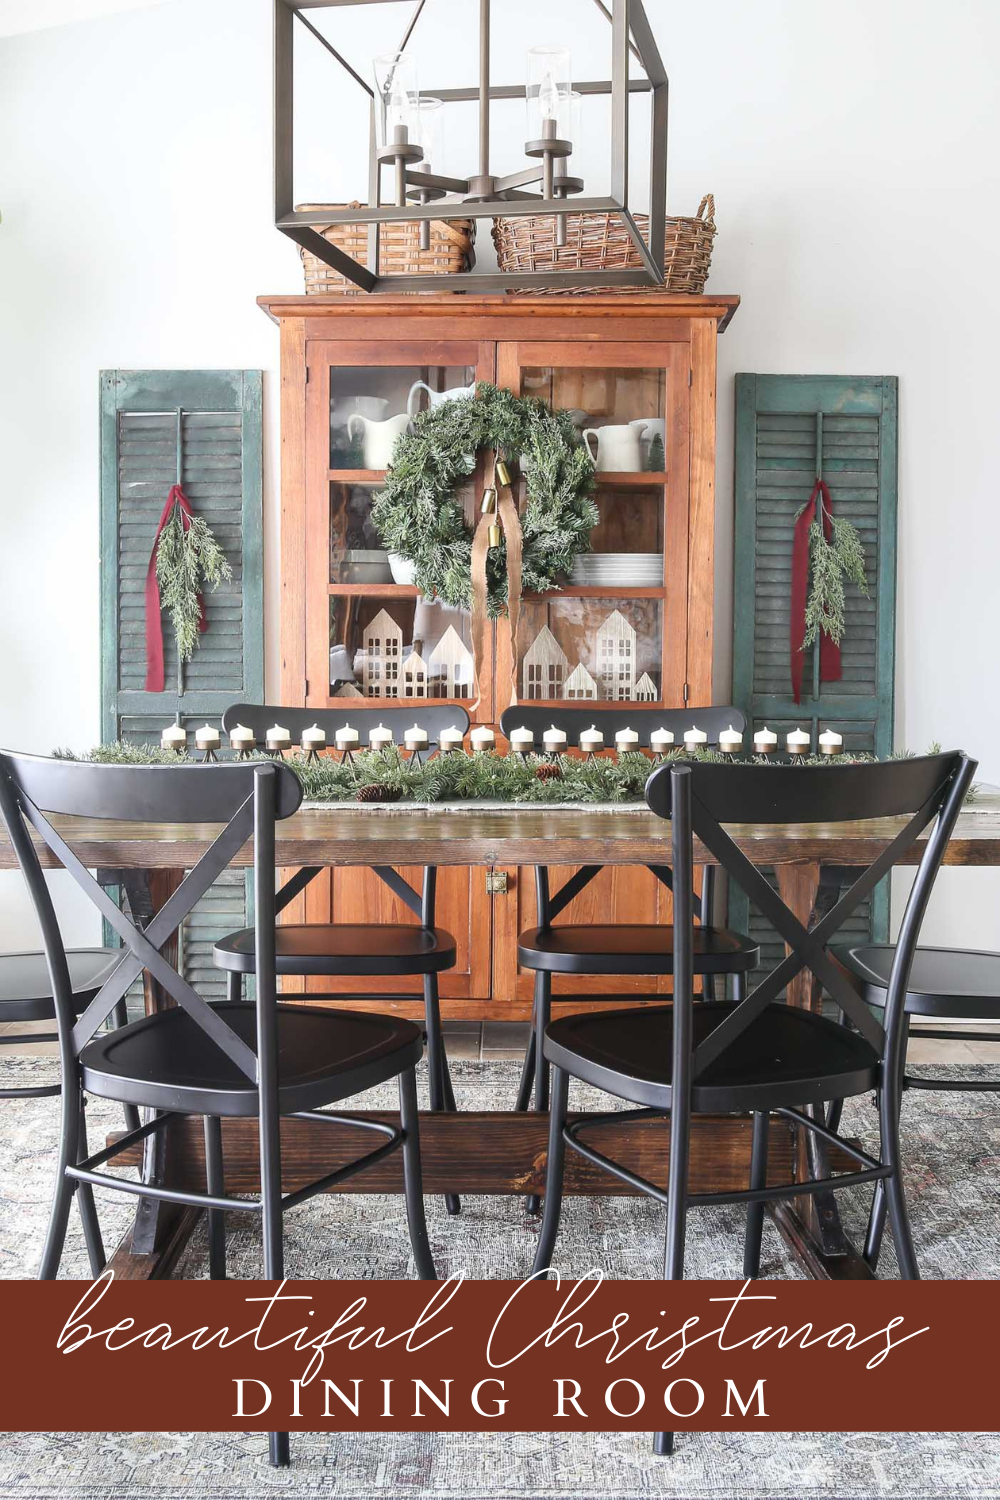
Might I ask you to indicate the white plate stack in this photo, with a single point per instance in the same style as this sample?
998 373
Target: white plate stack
637 570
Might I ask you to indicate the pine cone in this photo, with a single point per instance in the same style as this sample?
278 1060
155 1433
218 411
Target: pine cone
378 794
549 771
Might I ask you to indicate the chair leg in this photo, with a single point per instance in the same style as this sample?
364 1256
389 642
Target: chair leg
876 1228
899 1219
527 1073
758 1179
274 1254
437 1066
131 1113
69 1145
663 1444
234 985
542 1015
554 1170
88 1209
215 1183
677 1187
409 1119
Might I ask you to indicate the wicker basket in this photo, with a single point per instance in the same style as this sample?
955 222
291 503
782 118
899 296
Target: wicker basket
600 242
399 249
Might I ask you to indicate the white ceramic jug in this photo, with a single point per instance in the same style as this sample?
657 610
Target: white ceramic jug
618 448
457 393
378 437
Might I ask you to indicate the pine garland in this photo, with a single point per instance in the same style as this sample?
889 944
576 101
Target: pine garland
187 560
484 777
418 516
830 562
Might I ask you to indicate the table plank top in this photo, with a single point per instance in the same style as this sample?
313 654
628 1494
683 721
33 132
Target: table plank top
515 836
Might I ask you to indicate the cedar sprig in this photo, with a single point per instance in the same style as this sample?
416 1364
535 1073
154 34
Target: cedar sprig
188 560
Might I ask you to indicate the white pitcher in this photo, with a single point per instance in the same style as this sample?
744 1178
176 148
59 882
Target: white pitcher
378 437
457 393
618 448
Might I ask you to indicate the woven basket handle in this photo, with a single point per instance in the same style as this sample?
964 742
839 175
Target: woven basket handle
708 202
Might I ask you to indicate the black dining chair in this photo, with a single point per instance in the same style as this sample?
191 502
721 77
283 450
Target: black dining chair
217 1060
757 1054
644 949
945 984
345 950
26 995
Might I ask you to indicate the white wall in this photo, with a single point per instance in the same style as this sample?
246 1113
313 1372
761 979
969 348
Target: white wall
852 152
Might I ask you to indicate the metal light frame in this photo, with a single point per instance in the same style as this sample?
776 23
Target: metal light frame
630 31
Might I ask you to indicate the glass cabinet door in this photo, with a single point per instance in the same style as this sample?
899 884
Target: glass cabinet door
369 633
616 629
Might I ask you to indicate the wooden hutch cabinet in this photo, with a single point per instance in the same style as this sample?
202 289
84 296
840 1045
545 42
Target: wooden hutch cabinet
351 368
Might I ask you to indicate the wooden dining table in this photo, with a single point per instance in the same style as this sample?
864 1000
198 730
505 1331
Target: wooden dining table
497 1152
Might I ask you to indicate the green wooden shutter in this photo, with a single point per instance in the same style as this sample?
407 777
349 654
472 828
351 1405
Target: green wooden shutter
217 415
789 429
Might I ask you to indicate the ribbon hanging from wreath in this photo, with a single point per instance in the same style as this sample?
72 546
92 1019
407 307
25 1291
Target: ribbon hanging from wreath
419 516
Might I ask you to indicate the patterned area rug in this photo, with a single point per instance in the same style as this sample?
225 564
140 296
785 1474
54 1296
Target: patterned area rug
952 1144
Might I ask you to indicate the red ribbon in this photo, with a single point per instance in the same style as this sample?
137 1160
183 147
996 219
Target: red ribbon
154 621
829 651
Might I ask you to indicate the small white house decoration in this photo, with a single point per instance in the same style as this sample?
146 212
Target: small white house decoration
414 676
616 657
383 642
580 684
645 689
451 666
544 667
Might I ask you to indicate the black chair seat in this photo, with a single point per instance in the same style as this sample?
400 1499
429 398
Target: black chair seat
631 948
947 982
785 1057
25 991
362 948
167 1062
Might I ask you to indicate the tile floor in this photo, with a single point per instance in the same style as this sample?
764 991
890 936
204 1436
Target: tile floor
501 1041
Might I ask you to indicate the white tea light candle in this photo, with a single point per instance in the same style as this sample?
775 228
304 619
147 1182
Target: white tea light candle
278 738
379 737
313 738
522 741
346 738
174 737
797 743
626 739
591 740
450 739
482 738
661 740
764 741
207 737
415 738
695 739
830 742
730 741
554 740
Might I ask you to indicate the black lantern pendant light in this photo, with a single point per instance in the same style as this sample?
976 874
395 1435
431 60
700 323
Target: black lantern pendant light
406 143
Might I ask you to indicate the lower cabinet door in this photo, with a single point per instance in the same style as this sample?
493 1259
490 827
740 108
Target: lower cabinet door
358 895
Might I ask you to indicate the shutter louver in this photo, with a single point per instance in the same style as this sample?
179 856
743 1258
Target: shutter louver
789 430
219 417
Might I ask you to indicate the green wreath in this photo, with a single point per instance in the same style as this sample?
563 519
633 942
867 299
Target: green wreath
418 517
